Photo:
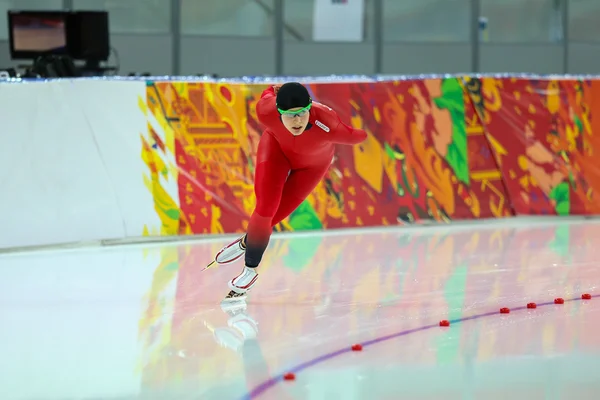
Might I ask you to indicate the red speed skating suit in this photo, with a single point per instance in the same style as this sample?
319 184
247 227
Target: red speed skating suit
289 167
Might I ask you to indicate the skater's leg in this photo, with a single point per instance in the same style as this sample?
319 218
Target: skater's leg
298 186
272 170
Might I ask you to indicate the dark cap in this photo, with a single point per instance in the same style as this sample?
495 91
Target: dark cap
292 95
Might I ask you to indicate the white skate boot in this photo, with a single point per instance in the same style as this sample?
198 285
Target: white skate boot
239 287
231 252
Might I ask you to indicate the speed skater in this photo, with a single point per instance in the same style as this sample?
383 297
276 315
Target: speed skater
294 153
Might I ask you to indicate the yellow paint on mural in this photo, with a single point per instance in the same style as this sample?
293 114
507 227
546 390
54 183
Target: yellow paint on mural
553 97
166 207
491 89
487 175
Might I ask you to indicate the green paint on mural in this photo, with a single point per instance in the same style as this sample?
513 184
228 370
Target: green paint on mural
452 100
578 123
389 151
393 155
305 218
172 213
560 194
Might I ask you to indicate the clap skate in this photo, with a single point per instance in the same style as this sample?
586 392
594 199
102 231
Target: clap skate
230 253
240 285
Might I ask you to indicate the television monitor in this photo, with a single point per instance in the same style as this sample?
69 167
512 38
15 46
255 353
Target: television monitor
35 33
82 35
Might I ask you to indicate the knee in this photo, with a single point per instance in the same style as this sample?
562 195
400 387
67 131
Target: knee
266 209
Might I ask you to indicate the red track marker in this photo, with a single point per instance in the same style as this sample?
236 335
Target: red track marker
289 376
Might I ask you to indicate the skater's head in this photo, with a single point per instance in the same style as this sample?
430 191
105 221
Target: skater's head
293 103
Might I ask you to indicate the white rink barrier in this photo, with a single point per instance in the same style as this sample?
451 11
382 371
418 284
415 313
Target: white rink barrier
71 166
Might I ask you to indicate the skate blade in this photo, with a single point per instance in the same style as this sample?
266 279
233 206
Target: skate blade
213 262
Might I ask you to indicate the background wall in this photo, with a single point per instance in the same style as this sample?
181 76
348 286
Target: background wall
122 158
172 37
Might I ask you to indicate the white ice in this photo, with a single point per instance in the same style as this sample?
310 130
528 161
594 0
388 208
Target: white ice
142 321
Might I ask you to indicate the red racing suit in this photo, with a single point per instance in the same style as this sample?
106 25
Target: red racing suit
288 167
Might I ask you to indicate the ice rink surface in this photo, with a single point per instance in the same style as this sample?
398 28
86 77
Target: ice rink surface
142 321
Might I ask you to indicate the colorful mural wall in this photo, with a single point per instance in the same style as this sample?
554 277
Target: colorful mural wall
438 150
542 135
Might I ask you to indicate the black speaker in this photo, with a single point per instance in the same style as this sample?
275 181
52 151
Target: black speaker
88 35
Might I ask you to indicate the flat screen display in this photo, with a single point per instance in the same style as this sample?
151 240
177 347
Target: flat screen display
41 33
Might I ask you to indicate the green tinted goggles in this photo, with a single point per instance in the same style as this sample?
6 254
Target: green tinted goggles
291 114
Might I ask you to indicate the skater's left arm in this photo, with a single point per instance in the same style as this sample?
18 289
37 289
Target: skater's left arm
344 134
337 132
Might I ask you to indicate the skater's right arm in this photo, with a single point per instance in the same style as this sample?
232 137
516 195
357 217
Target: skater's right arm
266 107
